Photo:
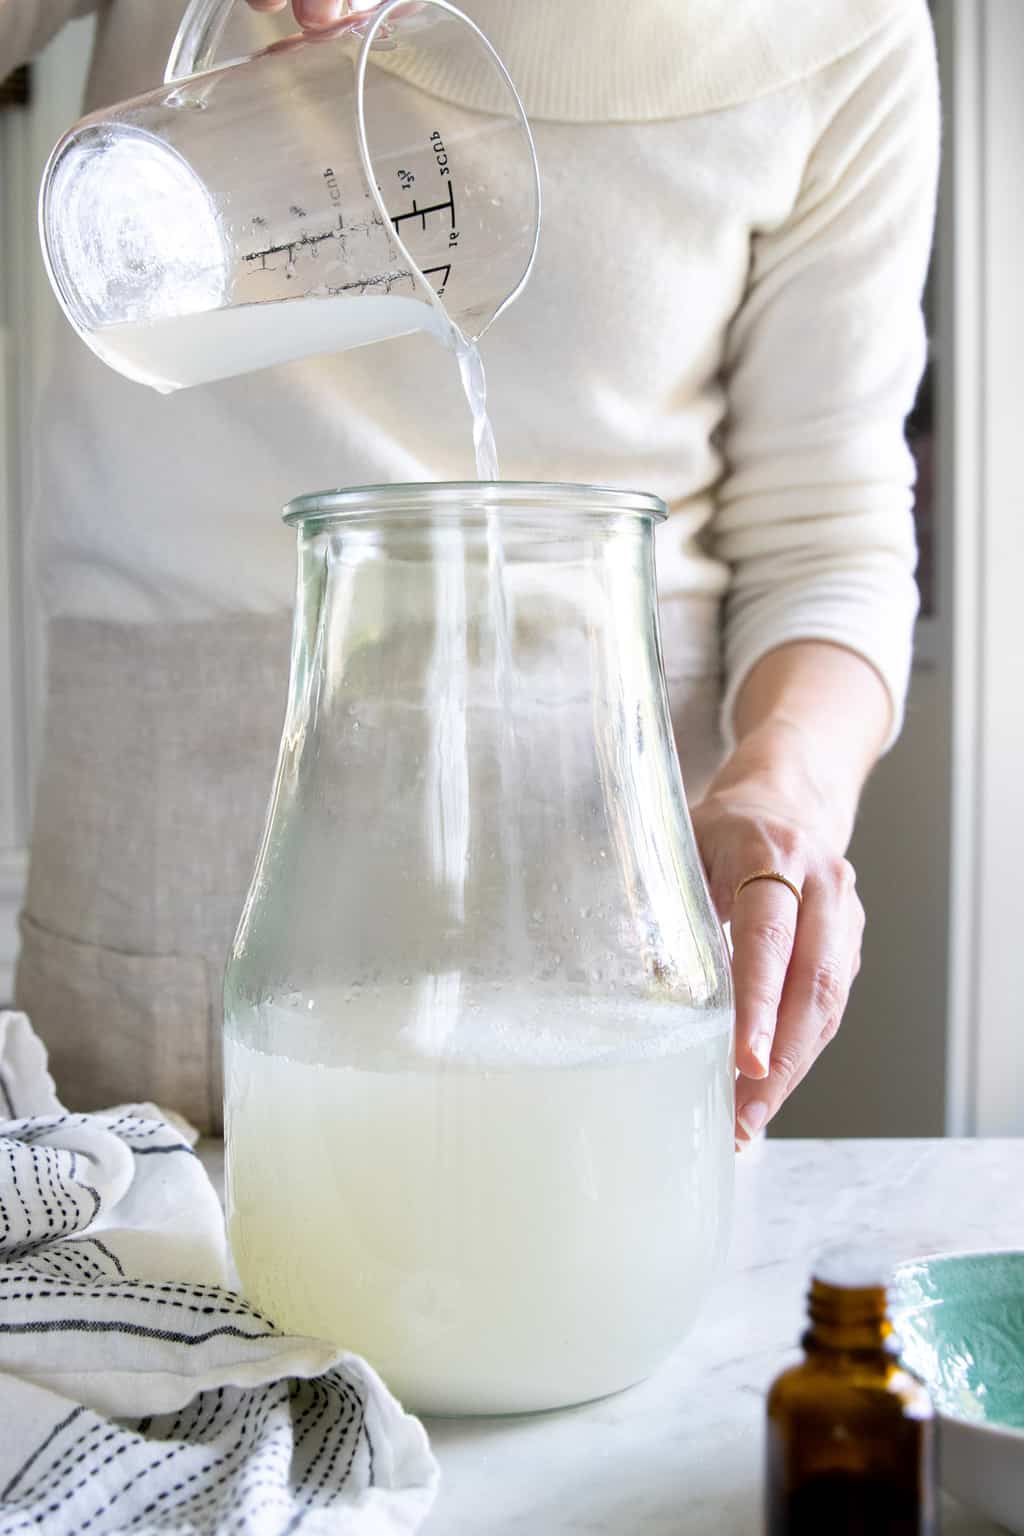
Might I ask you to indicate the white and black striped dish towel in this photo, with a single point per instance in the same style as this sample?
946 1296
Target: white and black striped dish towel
137 1393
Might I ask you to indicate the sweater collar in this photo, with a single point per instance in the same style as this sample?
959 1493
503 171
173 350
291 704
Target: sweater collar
579 61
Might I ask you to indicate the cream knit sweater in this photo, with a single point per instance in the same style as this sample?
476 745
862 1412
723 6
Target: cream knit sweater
738 208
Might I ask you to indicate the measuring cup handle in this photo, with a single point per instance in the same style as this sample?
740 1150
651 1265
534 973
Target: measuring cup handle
196 43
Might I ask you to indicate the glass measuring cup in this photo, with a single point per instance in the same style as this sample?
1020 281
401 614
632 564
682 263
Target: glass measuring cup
180 228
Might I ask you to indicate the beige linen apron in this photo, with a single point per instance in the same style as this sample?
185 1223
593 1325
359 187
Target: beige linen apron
160 748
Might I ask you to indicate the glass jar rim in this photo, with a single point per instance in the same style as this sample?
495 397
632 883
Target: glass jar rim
515 497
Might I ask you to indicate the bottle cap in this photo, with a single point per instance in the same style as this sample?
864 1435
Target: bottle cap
852 1267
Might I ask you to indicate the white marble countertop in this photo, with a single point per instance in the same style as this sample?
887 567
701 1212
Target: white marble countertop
682 1453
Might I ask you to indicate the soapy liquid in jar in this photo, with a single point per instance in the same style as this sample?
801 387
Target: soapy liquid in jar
527 1221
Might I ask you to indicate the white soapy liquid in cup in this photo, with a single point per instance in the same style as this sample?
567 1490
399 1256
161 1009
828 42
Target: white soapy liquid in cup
527 1220
178 352
215 344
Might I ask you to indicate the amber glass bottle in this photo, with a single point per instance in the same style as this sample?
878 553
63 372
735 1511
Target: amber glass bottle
850 1436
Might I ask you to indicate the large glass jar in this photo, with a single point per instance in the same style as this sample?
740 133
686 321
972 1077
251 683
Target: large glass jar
478 1012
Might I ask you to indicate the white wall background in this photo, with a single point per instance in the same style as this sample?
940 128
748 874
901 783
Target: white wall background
989 602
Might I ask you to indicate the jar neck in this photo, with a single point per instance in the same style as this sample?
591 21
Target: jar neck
482 596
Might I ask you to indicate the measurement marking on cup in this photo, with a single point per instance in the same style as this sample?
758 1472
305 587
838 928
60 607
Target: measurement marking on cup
446 269
415 212
309 244
289 248
385 281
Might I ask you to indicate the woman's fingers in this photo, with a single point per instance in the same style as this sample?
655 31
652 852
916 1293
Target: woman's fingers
764 931
825 959
793 962
308 13
319 13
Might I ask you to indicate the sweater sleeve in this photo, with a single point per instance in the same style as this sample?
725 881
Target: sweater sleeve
27 25
814 513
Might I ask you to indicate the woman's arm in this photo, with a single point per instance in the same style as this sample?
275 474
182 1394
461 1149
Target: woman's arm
814 718
814 518
810 720
26 26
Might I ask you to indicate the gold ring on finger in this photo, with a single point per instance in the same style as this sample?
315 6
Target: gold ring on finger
770 874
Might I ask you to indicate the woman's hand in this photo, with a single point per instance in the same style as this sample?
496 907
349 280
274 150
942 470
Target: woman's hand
308 13
793 963
810 720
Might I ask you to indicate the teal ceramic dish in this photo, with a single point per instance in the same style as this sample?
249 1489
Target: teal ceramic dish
961 1321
